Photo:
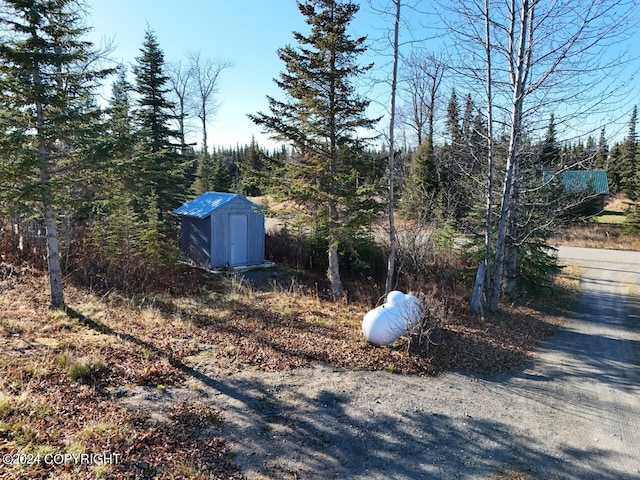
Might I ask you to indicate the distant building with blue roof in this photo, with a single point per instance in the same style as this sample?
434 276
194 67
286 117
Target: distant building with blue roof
585 181
591 183
594 182
222 230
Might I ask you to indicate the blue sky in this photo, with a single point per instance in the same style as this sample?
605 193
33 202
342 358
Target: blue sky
244 32
248 34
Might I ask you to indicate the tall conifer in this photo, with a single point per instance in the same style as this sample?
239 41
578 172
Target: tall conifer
602 157
550 157
46 87
628 162
323 117
160 167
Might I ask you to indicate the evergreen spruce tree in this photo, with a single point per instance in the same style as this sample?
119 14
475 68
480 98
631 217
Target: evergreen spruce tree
322 117
156 251
115 240
424 168
451 155
116 226
422 188
221 180
159 166
602 157
250 168
204 174
453 119
550 157
466 130
613 173
628 163
632 223
461 161
46 88
120 123
113 169
478 141
471 155
212 174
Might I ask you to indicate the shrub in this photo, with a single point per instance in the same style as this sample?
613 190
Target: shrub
360 255
22 242
283 247
421 261
632 224
537 267
429 332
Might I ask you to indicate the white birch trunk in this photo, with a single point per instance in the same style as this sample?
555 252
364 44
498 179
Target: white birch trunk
392 227
478 286
511 257
488 237
520 65
53 259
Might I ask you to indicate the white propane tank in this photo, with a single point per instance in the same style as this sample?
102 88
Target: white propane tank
399 314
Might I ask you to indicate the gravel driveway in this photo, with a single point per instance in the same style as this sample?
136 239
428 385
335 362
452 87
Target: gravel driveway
574 414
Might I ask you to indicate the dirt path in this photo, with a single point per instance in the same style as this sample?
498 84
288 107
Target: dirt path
574 414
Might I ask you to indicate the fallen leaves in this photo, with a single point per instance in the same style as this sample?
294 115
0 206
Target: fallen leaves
165 341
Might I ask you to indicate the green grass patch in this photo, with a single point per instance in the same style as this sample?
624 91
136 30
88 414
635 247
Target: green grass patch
611 218
82 369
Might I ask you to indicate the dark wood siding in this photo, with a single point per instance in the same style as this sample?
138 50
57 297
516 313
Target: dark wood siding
195 239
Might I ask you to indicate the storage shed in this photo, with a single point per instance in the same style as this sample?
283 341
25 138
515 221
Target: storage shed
222 230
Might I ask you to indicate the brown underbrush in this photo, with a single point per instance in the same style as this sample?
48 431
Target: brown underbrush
57 368
594 235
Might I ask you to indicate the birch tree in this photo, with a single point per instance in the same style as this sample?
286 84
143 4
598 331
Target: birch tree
540 55
483 277
423 75
421 113
205 75
391 167
519 58
180 79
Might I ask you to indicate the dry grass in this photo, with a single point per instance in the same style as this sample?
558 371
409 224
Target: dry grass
56 367
606 231
598 236
619 203
54 371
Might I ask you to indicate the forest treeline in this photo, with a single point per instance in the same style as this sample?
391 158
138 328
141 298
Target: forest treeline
87 189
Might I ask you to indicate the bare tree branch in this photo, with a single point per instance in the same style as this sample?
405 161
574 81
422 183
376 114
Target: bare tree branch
205 73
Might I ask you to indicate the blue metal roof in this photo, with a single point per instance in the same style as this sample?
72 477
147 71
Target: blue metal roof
585 180
202 206
578 181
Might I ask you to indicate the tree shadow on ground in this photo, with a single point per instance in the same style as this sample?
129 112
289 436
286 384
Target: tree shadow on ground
326 437
323 435
173 361
603 342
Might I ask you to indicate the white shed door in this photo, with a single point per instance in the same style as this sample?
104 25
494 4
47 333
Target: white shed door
237 240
